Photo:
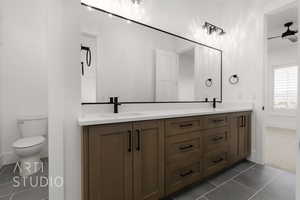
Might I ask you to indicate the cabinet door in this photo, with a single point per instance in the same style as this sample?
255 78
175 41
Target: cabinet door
110 162
234 137
240 136
148 160
244 144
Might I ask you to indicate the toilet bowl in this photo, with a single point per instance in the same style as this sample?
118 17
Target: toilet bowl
29 147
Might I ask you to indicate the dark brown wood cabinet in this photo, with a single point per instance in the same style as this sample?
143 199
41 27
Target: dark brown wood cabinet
151 159
108 162
240 129
244 147
183 160
148 160
124 161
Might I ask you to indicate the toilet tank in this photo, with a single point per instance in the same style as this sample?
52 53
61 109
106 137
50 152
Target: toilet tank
31 126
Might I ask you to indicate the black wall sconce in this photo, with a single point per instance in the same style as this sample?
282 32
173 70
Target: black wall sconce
234 79
88 58
213 28
209 82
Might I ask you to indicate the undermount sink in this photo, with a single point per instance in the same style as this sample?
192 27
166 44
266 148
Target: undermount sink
117 115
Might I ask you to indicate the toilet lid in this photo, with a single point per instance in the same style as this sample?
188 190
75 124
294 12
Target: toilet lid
28 142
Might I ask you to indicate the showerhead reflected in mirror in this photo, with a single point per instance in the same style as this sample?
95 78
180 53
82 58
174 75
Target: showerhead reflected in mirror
138 63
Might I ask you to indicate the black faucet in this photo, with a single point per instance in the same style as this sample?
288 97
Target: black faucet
214 103
115 101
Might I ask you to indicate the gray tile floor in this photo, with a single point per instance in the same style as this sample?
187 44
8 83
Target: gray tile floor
13 187
245 181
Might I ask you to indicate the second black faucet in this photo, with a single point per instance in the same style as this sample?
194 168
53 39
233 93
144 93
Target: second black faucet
115 101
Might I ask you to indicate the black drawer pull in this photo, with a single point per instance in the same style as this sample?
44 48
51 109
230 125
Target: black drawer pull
139 140
215 139
187 173
185 125
129 141
242 121
185 147
218 120
218 161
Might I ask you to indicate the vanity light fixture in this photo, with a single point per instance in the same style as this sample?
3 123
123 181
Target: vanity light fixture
213 29
136 2
234 79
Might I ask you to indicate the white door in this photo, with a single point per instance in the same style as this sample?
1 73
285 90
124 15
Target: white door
166 76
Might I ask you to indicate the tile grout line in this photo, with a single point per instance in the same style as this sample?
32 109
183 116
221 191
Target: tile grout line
217 187
263 187
245 186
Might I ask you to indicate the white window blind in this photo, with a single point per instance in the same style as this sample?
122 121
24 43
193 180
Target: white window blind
285 88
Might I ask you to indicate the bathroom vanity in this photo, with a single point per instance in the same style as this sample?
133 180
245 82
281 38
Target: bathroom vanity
151 156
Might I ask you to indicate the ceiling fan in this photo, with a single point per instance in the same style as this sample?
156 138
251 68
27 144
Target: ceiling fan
289 34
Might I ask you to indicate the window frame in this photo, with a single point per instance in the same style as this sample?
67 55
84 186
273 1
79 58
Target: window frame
281 111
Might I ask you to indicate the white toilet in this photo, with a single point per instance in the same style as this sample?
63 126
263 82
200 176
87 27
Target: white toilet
33 131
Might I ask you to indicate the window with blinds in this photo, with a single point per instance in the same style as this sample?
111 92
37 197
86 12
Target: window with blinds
285 88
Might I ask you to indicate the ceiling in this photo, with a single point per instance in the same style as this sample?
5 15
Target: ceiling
276 21
276 27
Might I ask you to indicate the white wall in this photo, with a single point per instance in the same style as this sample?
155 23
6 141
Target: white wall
89 78
298 124
242 45
1 72
243 51
23 77
279 128
207 65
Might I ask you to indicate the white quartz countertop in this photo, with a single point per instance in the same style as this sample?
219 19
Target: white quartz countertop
109 118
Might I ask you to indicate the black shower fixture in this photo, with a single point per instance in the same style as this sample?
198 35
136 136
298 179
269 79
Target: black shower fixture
213 29
88 57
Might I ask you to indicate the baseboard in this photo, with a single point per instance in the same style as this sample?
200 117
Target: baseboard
9 158
254 157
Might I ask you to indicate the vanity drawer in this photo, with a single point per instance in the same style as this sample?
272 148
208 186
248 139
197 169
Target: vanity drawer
215 138
183 125
184 147
216 161
179 177
216 121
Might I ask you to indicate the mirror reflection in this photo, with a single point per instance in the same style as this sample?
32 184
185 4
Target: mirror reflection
140 64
